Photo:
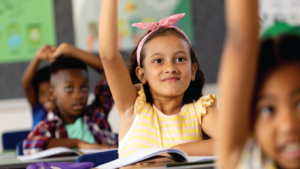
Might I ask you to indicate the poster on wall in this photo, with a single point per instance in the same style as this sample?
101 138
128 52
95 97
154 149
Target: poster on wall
274 11
86 20
25 25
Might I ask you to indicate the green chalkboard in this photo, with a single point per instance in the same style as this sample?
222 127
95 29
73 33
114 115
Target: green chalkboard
25 25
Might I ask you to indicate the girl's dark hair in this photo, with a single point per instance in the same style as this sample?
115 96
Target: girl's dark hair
194 91
273 53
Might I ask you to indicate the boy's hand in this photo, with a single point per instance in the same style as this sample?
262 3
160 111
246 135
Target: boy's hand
63 49
84 145
43 52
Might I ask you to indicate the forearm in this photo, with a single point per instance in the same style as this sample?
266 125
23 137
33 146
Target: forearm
86 57
108 30
27 81
236 78
198 148
69 143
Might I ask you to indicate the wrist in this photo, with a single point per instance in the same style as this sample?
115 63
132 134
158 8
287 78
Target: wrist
75 143
67 49
37 58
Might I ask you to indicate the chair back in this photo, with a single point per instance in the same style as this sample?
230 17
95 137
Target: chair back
11 139
99 158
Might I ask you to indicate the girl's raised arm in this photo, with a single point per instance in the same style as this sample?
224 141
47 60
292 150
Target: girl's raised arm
237 78
123 91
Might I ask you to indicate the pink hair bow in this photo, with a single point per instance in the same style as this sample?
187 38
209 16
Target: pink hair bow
164 23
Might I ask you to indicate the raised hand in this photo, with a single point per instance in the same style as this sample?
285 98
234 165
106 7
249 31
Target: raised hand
41 53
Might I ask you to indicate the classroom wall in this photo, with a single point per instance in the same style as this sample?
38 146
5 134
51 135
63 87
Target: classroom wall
209 31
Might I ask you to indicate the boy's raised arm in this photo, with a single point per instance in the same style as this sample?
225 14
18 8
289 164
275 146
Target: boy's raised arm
123 91
28 77
72 51
236 78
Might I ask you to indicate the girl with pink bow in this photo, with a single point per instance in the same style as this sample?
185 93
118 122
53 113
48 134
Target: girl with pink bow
160 99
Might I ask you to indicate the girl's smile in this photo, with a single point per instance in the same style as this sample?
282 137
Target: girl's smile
171 79
290 150
277 127
167 64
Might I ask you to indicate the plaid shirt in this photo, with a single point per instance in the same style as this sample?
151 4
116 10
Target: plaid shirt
95 117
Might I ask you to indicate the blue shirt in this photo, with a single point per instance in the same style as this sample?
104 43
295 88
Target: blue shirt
38 114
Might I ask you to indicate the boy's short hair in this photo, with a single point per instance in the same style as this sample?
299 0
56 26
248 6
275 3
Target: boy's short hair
66 62
41 75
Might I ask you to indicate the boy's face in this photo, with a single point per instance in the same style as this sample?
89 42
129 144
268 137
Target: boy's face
44 96
70 90
277 127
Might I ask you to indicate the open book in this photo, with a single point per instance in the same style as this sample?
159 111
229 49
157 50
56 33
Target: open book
59 151
145 154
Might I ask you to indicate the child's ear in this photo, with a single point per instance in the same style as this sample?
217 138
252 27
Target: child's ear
140 73
194 71
52 94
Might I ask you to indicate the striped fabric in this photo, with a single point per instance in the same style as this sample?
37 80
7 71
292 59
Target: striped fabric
153 129
94 116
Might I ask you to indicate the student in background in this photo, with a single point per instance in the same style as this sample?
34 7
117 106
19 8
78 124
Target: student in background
260 93
74 124
36 85
165 107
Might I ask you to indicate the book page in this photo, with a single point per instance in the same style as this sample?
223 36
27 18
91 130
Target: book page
46 153
90 151
140 156
202 158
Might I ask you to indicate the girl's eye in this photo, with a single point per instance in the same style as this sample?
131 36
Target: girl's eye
69 89
158 61
180 60
84 88
266 111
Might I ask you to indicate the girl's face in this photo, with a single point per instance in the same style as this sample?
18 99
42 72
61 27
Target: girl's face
167 66
277 127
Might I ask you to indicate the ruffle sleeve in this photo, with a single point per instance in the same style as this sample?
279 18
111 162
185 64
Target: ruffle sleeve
204 102
141 99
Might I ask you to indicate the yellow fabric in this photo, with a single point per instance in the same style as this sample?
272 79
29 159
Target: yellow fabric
154 129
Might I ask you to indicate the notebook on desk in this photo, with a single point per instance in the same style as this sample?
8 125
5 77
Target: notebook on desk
176 155
59 151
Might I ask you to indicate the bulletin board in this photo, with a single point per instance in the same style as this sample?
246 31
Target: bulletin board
206 22
25 25
86 20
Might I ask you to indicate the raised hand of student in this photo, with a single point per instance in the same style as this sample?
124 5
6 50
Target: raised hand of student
27 81
72 51
43 52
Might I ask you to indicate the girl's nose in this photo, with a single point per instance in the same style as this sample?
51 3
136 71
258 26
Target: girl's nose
170 67
288 121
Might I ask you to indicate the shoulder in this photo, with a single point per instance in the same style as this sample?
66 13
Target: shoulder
252 156
140 89
141 97
210 100
206 103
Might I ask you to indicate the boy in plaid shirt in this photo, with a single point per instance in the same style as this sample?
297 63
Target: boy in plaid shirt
73 124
